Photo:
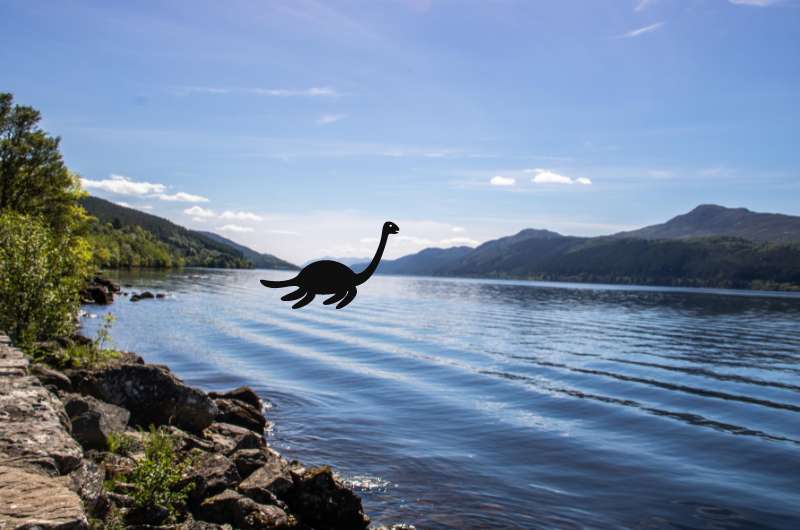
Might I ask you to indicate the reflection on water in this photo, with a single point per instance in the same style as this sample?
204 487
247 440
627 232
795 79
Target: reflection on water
488 404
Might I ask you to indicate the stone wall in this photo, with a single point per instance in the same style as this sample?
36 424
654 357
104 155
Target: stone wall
37 452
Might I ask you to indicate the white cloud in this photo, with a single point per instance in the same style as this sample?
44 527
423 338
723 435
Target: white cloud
145 207
284 92
545 176
641 5
235 228
122 185
241 216
756 3
182 197
498 180
458 229
327 119
642 31
197 211
123 203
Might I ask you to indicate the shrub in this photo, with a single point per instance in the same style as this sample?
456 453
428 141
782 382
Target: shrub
41 272
120 443
157 478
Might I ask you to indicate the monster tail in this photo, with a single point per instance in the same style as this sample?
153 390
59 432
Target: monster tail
284 283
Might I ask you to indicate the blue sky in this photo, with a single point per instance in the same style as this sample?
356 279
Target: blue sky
297 127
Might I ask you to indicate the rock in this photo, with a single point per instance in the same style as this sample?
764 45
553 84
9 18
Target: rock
271 480
93 420
30 501
146 295
228 438
108 284
151 393
231 507
320 501
96 294
87 482
135 298
213 473
243 393
34 429
191 524
52 379
161 296
248 460
146 515
240 413
117 465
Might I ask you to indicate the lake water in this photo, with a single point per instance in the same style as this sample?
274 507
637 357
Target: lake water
467 404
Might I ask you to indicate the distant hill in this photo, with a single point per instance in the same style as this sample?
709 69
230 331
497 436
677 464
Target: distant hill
349 261
259 260
693 256
125 237
712 220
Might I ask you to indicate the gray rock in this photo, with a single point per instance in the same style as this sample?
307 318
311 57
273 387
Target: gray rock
213 473
228 438
50 378
320 501
244 513
243 393
271 480
34 429
240 413
29 500
93 420
248 460
97 294
87 482
151 393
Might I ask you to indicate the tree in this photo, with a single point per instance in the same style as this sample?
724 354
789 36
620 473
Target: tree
33 177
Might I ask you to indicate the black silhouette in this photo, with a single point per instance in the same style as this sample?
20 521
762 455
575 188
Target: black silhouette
332 277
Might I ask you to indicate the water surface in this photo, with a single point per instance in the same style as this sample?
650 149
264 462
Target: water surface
467 404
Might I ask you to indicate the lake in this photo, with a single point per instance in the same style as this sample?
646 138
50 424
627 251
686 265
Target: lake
472 404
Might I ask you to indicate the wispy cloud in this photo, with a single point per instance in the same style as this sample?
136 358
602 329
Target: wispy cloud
641 5
317 91
235 228
327 119
756 3
204 213
498 180
641 31
545 176
122 185
181 197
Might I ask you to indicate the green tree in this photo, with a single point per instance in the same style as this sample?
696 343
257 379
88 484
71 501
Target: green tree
33 177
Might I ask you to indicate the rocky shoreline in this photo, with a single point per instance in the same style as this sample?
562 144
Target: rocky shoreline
63 466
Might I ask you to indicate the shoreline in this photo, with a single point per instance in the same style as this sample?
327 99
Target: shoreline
234 478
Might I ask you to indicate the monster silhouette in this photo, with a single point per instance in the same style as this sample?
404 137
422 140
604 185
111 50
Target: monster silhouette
331 277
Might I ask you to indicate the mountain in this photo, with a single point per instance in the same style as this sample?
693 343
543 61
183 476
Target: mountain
259 260
124 237
349 261
698 254
712 220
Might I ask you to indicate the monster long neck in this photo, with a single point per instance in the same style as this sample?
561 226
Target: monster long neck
364 275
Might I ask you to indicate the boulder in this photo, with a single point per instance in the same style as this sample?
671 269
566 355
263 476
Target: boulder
146 515
161 296
213 473
244 513
248 460
320 501
243 393
108 284
93 420
240 413
228 438
271 480
29 500
87 482
146 295
96 294
52 379
34 429
151 393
